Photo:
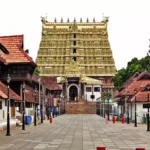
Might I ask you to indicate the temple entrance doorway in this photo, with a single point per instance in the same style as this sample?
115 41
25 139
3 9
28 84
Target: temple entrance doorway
73 93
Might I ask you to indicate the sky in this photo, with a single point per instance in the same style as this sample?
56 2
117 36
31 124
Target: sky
128 26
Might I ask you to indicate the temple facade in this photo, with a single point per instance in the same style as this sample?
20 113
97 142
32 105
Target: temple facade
79 54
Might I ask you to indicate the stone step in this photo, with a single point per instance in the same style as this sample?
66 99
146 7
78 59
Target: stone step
80 108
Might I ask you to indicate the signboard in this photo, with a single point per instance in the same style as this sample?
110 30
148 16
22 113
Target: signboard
92 96
146 105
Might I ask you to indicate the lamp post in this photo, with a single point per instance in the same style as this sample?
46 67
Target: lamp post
148 88
41 112
108 107
64 104
135 122
128 108
104 108
8 117
35 108
23 106
108 97
59 105
40 104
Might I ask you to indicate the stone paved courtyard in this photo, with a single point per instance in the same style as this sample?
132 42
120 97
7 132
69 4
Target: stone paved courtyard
76 132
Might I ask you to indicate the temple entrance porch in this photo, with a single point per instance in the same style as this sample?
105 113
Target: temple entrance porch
73 93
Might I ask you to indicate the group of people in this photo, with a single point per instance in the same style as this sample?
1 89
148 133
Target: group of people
52 111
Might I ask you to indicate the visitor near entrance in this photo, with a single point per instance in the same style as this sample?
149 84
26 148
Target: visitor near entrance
52 111
75 99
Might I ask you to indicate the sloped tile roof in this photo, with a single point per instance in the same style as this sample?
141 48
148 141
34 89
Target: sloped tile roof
138 85
130 81
30 95
141 96
4 92
3 95
14 46
49 82
136 82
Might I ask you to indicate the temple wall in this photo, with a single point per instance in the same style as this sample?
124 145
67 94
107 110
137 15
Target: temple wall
91 88
77 108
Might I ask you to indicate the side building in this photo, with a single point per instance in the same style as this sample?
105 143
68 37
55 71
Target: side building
25 90
79 54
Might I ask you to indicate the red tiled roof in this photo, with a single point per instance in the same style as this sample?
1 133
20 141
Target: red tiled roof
3 95
145 72
16 54
141 96
139 83
49 82
30 95
130 81
4 91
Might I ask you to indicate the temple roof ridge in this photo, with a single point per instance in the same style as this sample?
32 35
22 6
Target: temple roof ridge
68 21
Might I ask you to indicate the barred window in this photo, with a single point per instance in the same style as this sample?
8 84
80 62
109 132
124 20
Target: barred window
88 89
96 89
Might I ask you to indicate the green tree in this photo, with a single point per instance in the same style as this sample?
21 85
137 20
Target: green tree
36 71
133 66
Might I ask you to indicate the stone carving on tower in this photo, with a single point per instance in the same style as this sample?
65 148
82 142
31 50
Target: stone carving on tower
75 48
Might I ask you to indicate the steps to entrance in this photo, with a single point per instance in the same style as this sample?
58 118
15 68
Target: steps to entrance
80 108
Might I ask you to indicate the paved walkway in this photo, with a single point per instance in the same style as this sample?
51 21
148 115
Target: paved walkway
76 132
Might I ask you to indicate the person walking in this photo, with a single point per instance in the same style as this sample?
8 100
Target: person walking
47 113
52 111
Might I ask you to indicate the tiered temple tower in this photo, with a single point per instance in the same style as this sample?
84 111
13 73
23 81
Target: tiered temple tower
75 51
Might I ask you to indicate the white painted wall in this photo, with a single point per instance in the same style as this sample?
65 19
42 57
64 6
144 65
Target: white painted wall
30 112
139 110
4 108
1 111
88 94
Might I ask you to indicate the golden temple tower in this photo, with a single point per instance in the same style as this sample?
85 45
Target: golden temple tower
79 53
84 42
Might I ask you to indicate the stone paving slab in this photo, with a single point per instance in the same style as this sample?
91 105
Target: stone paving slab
76 132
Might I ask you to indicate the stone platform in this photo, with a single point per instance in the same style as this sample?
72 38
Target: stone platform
81 107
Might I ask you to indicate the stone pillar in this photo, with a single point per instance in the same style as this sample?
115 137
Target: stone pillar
79 97
84 92
43 101
67 99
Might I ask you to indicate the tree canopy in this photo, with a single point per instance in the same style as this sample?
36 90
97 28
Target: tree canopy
36 71
133 66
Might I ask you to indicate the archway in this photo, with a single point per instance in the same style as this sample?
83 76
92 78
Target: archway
73 93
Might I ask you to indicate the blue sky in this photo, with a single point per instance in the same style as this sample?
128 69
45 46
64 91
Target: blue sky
128 27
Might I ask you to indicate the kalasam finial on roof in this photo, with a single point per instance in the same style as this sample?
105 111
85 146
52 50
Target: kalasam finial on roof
61 20
87 20
74 20
68 20
55 20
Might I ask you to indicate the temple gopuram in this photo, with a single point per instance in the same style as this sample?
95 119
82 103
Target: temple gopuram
79 54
